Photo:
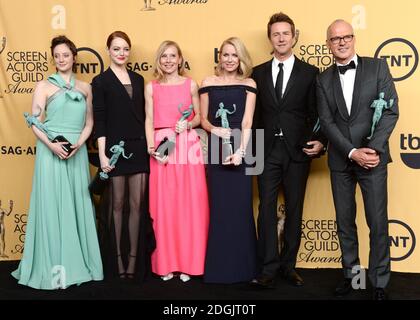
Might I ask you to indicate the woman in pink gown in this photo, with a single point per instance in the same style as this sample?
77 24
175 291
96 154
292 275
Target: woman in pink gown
178 190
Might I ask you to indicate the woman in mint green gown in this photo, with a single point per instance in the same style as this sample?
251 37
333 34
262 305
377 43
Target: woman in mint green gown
61 244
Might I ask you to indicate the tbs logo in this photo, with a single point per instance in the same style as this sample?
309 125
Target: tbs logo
410 143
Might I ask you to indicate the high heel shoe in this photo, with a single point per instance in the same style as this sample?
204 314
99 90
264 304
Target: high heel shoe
167 277
121 275
130 275
184 277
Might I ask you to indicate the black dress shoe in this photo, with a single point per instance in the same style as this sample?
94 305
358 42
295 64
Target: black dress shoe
264 282
379 294
294 278
343 288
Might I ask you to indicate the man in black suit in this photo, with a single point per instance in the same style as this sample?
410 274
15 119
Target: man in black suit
286 110
346 92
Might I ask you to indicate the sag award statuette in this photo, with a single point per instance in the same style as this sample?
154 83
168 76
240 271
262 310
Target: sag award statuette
33 120
223 113
4 213
148 6
99 182
167 145
378 106
312 136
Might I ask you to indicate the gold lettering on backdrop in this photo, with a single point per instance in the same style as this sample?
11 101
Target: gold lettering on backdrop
2 46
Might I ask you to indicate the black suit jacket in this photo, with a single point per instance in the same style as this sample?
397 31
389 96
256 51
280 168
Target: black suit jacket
295 114
117 116
345 131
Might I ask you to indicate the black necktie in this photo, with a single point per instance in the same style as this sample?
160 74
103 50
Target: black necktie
343 69
279 83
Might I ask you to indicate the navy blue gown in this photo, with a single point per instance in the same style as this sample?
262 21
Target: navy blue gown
231 249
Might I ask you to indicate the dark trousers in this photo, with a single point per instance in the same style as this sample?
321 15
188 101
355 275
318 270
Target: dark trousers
373 184
280 171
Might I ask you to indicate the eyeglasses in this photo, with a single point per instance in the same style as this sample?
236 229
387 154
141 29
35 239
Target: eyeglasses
337 40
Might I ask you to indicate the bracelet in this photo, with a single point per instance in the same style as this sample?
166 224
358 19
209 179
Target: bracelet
241 152
151 150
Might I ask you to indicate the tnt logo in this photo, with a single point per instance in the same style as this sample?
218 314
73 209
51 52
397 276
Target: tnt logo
402 240
410 143
89 63
401 55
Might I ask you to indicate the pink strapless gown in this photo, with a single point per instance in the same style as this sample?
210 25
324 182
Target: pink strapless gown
178 190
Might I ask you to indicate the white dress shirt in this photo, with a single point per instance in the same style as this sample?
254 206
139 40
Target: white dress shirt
347 85
287 70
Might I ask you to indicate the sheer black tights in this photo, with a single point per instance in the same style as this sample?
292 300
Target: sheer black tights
136 192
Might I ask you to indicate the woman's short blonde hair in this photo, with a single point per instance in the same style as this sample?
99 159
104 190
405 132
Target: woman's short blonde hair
245 62
157 72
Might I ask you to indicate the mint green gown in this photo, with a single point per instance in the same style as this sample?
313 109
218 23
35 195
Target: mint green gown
61 243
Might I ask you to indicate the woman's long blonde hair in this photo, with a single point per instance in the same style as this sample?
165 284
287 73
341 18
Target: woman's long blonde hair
157 72
245 62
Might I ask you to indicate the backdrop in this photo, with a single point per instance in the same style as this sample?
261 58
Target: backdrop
199 26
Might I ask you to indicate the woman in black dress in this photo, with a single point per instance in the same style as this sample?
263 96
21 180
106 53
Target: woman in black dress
229 95
119 115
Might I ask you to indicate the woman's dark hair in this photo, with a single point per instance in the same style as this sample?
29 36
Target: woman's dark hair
64 40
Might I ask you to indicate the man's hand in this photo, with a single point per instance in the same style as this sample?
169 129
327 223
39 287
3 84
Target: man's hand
317 147
366 158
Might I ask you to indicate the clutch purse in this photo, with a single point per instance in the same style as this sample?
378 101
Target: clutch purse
66 146
165 147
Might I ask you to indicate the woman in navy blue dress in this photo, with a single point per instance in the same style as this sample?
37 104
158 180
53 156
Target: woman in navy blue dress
229 96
